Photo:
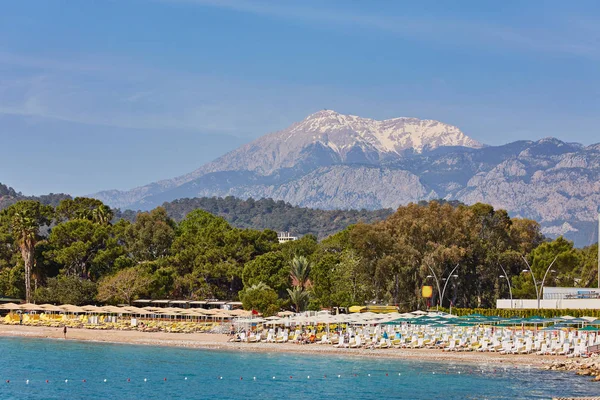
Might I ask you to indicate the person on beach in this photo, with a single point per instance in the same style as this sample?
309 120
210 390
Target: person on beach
20 319
65 331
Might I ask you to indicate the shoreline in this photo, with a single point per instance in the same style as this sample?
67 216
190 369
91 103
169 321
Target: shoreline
220 342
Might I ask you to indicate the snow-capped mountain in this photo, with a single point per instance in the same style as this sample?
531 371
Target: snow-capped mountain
331 160
323 138
332 138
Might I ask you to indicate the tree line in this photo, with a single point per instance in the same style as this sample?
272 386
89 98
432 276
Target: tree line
78 252
269 214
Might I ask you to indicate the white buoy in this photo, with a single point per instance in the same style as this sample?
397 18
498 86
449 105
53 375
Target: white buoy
308 377
105 380
433 372
368 374
27 382
399 374
339 376
145 380
254 378
273 377
185 379
66 381
459 372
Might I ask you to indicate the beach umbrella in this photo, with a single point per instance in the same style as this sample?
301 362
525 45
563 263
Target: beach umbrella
552 328
589 329
31 307
10 306
113 310
286 313
90 309
474 316
71 308
566 317
240 313
50 307
137 310
536 320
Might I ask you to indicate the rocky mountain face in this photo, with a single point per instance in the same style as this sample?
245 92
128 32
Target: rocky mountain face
331 160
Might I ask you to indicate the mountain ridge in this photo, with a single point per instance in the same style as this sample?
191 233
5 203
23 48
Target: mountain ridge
330 160
336 138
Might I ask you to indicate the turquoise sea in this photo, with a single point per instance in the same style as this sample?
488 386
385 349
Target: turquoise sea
84 370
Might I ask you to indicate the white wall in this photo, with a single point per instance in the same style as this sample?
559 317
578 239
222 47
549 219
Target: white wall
551 304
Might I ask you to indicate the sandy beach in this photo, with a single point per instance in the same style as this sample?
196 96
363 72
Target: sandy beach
221 342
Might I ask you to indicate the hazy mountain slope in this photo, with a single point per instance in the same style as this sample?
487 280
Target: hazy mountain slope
9 196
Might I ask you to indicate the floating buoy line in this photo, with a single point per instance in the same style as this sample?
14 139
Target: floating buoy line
351 375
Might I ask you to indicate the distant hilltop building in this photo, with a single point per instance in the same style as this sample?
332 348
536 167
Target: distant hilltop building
285 237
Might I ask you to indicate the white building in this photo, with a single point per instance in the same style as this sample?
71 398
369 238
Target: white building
557 298
285 237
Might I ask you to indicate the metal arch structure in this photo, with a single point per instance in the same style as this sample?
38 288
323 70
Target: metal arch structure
538 292
509 286
437 282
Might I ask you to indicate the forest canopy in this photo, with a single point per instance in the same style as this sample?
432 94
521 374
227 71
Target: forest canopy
79 252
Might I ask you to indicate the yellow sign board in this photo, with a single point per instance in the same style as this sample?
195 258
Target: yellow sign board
427 291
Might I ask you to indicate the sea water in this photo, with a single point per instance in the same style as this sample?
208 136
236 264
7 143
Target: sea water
65 369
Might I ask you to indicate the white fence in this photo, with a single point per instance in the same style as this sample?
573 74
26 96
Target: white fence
556 304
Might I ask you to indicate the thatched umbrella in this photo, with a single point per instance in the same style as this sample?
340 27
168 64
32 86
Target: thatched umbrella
71 308
11 306
51 308
31 307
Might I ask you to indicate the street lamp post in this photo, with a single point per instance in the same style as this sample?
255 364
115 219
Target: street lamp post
538 292
507 281
437 282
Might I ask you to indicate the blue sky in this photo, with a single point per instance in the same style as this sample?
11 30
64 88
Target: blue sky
115 94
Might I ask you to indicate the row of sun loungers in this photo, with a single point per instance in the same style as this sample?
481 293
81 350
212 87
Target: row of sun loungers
57 321
572 344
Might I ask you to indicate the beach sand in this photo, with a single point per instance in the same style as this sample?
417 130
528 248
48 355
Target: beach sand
221 342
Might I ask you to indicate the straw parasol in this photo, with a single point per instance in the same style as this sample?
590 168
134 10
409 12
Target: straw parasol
10 306
137 310
31 307
149 308
91 309
113 310
51 308
71 308
240 313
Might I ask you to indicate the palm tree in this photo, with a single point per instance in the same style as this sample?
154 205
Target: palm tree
259 286
102 215
299 297
300 271
25 230
25 218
